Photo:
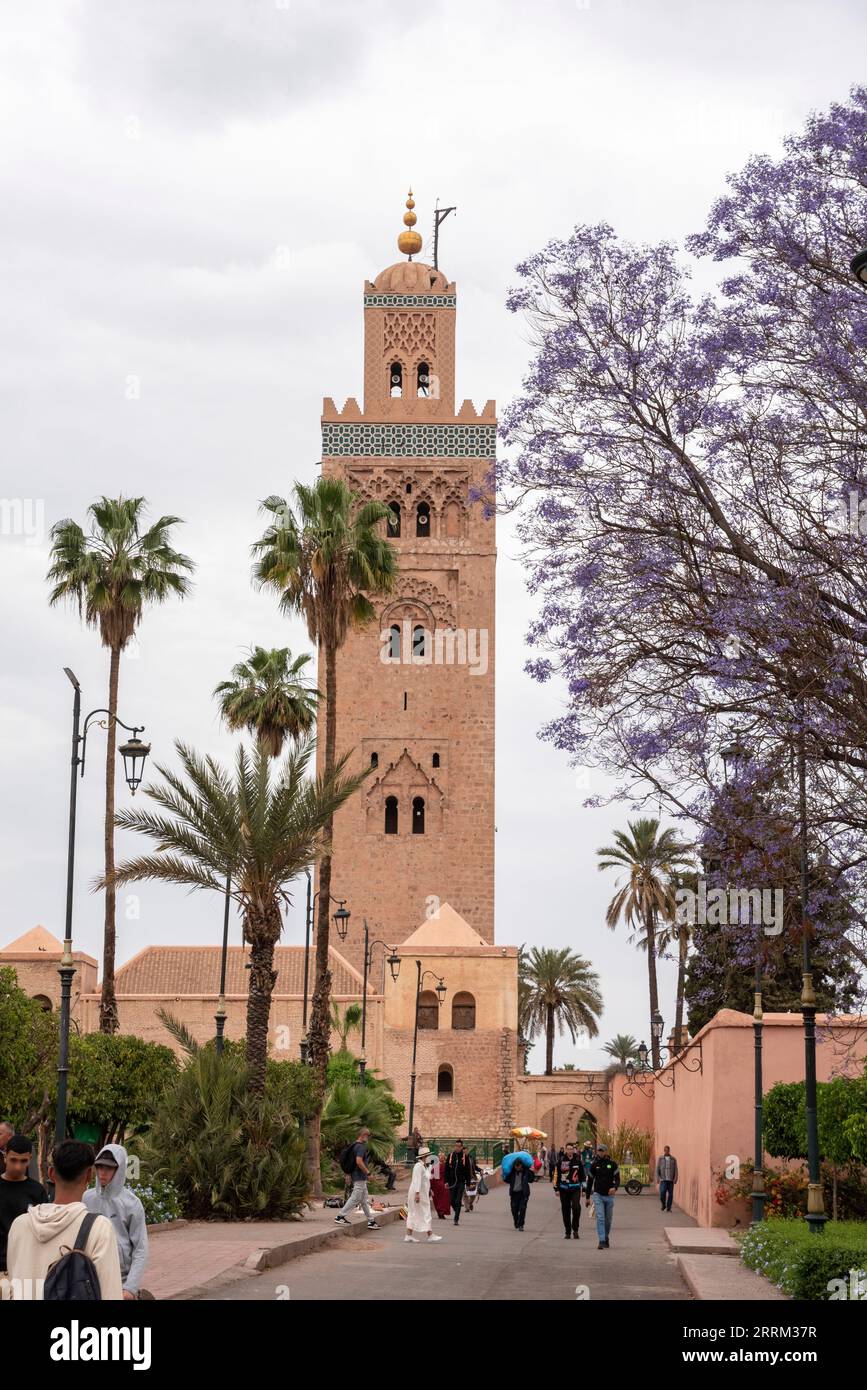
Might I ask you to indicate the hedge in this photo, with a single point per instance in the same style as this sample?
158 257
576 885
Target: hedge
802 1264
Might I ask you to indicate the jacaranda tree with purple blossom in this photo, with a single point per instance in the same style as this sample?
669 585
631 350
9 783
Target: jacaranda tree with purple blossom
688 476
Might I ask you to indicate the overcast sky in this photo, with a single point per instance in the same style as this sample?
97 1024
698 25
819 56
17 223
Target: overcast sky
193 195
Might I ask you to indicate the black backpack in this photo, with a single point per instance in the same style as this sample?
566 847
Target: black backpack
347 1159
73 1277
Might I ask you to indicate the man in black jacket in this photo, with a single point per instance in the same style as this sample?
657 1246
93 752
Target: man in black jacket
519 1180
459 1170
568 1181
602 1183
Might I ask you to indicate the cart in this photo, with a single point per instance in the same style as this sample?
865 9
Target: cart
635 1177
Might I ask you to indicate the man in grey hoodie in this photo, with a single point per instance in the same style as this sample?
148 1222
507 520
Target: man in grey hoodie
110 1197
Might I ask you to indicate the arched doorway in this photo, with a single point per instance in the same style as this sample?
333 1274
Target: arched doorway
569 1121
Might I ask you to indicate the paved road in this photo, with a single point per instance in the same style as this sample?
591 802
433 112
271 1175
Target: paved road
486 1258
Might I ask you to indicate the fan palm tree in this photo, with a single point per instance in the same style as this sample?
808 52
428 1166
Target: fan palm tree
265 827
557 989
650 857
325 558
269 696
345 1021
112 572
622 1047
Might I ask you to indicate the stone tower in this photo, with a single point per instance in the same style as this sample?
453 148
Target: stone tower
416 688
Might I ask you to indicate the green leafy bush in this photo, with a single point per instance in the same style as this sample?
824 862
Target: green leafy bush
160 1199
804 1265
229 1154
28 1054
116 1081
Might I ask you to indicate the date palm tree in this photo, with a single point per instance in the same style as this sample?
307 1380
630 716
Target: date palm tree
326 558
264 825
270 697
622 1047
557 990
650 857
113 571
345 1021
673 932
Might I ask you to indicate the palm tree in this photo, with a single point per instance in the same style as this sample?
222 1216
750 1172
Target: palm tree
264 827
556 988
622 1047
112 572
269 696
674 932
325 558
650 857
345 1022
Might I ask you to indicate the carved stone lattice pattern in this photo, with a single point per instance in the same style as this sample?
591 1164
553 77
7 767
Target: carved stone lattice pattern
387 484
359 440
409 333
422 591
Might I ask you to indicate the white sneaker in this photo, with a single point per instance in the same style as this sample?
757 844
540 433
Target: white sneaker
413 1239
431 1239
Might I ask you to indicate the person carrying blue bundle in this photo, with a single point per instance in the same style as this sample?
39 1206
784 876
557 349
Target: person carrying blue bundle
519 1177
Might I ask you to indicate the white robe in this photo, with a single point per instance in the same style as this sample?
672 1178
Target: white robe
419 1218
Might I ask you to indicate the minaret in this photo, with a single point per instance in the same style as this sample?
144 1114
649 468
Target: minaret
416 688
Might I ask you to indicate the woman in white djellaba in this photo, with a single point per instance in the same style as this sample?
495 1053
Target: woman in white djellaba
418 1221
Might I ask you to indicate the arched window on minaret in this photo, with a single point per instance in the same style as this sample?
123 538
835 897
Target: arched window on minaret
423 382
419 642
374 760
422 519
436 760
394 519
418 815
391 815
394 642
395 379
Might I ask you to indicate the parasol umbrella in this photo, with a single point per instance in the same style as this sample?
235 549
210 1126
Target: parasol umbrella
509 1161
528 1132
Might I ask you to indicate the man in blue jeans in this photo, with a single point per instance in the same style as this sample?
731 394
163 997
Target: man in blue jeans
666 1176
603 1181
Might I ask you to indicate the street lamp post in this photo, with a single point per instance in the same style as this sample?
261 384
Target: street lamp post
441 994
816 1217
393 960
735 754
341 921
134 753
221 1006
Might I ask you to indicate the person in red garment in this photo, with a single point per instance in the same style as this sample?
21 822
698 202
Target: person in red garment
438 1190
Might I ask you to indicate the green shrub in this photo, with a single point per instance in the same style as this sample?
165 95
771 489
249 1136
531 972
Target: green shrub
228 1153
116 1081
347 1109
160 1199
802 1264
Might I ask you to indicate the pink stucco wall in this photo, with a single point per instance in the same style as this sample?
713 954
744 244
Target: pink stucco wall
707 1117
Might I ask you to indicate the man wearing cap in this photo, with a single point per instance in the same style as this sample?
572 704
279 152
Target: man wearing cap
110 1197
603 1181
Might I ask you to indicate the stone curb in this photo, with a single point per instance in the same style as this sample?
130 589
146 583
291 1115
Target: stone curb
710 1278
691 1240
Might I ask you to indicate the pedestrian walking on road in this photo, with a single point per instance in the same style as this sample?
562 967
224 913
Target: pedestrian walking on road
419 1220
459 1170
587 1157
355 1161
666 1176
569 1179
439 1192
602 1183
519 1192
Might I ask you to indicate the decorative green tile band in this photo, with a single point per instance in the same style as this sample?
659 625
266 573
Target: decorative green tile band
409 441
410 301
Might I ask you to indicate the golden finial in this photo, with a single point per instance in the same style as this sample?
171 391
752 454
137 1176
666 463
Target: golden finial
409 242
